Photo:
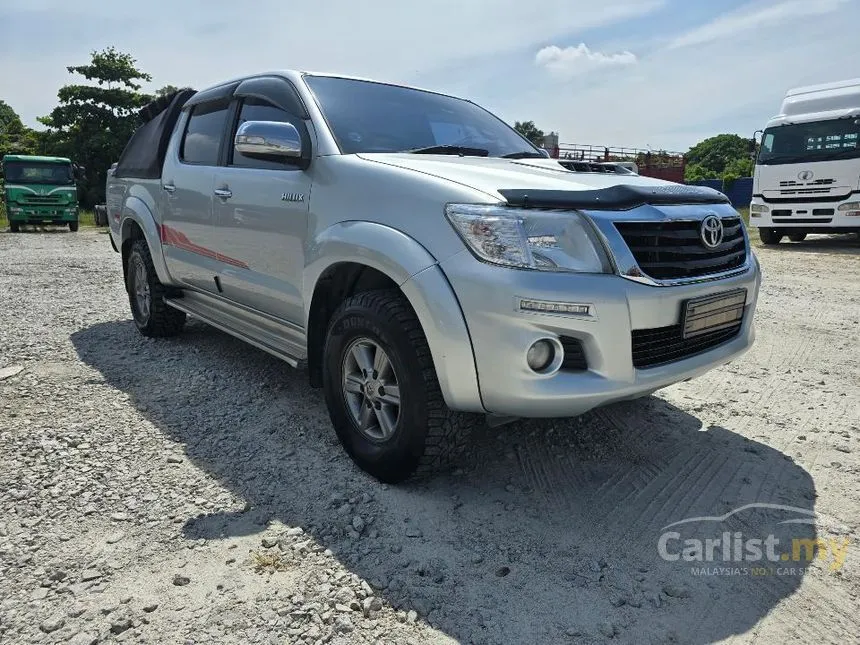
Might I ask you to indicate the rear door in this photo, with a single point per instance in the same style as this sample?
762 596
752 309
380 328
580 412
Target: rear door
188 180
261 214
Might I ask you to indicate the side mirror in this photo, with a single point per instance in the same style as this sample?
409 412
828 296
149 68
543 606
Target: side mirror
269 138
79 172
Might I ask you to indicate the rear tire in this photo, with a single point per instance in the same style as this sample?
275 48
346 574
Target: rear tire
73 227
769 236
14 227
797 237
152 315
392 442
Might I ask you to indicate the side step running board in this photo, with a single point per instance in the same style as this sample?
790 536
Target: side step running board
283 342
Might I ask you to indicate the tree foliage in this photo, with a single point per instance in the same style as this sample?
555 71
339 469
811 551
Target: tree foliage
93 122
530 131
15 137
725 156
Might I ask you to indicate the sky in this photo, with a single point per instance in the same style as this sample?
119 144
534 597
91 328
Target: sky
662 74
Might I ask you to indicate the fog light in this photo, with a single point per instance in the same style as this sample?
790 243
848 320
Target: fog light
540 355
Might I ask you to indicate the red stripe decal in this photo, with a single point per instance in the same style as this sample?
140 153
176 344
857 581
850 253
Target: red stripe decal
172 237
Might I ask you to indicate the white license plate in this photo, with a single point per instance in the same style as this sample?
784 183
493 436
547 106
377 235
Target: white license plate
714 312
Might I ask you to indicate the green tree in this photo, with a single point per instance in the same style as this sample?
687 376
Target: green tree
530 131
719 157
93 122
15 137
167 89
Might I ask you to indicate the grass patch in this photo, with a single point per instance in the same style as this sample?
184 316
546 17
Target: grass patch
85 218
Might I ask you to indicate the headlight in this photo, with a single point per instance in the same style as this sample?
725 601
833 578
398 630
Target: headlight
758 209
529 239
851 209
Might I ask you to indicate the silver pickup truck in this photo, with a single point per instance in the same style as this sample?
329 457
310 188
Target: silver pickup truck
427 265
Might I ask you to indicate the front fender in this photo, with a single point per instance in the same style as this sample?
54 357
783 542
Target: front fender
416 272
136 211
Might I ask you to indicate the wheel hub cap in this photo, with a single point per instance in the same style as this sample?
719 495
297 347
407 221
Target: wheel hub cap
371 389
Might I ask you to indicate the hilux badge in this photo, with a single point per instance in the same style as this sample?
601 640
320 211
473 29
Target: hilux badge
292 197
711 231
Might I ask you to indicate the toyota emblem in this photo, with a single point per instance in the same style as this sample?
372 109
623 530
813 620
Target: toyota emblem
711 231
806 175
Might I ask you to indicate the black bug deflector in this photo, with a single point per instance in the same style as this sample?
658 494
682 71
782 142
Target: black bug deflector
616 198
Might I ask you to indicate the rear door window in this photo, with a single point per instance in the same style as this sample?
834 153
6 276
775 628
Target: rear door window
202 139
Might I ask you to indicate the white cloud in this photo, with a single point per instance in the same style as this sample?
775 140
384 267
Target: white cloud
756 16
576 60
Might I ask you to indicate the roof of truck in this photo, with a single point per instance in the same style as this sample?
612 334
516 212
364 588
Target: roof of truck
840 99
37 158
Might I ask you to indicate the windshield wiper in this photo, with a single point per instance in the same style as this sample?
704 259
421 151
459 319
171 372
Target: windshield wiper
451 150
523 155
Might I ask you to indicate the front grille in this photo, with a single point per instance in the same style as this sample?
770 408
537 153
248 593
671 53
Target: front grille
661 345
42 199
574 356
781 212
671 250
822 211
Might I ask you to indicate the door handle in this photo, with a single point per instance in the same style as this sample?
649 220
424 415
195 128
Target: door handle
170 188
224 193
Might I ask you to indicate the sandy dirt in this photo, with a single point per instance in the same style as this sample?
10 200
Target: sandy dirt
193 491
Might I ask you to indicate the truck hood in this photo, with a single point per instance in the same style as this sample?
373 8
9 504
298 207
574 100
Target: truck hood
828 179
491 174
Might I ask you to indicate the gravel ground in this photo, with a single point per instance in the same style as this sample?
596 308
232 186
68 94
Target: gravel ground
192 490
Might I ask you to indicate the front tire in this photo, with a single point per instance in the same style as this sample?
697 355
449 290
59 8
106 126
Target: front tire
14 227
152 315
769 236
382 391
797 237
73 227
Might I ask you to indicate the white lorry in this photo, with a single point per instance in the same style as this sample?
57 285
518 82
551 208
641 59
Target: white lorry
807 174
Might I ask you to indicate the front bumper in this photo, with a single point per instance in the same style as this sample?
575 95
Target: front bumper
30 215
809 216
501 334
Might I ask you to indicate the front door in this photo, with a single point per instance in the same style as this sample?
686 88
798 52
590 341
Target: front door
261 215
188 179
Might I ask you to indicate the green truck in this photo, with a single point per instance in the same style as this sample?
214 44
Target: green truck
40 190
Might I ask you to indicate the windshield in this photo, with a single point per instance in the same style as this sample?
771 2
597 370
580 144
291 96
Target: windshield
816 141
35 172
373 117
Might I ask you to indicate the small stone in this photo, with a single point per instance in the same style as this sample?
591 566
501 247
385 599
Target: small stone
296 530
269 542
113 538
413 532
180 581
503 571
53 623
174 459
84 638
91 574
40 594
607 629
10 371
676 591
77 611
344 596
343 625
411 616
120 625
126 600
119 517
151 607
477 559
358 523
